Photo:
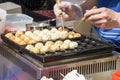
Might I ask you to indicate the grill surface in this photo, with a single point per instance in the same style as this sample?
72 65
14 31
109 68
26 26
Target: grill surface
95 67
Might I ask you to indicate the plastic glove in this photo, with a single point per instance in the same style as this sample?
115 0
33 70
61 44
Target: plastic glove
45 78
70 11
74 75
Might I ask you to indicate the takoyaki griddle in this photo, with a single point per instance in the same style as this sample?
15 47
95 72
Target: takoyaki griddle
86 45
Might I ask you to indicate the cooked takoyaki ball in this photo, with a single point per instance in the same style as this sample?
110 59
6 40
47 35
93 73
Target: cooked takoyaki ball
35 50
71 34
64 46
64 34
67 41
56 45
73 45
31 41
36 32
77 35
44 49
55 36
22 36
18 33
62 29
53 30
45 31
32 35
59 42
17 40
27 39
27 33
39 45
45 37
54 48
32 49
41 33
29 47
49 43
22 42
37 38
10 36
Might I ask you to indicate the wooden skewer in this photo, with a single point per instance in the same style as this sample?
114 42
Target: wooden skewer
84 18
62 75
58 1
60 13
60 10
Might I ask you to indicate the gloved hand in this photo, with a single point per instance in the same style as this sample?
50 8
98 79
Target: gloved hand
70 11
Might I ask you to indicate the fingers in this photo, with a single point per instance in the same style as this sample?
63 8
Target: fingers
98 16
94 11
61 7
70 11
85 17
102 21
101 26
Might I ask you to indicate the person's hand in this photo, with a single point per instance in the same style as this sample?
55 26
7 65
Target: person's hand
103 17
70 11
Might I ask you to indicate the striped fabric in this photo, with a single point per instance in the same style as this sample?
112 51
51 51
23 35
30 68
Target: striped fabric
112 35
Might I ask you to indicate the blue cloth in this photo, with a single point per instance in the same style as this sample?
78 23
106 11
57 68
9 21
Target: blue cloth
112 35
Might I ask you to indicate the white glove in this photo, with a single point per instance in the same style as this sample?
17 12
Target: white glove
45 78
70 11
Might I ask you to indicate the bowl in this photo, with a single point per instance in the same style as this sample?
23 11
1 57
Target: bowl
36 26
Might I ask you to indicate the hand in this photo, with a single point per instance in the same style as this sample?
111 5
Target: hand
70 11
103 17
